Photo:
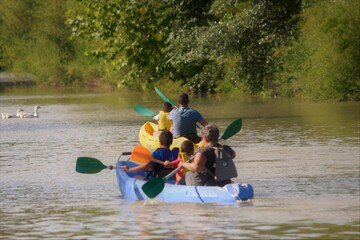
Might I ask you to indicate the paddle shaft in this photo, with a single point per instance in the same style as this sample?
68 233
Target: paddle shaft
177 169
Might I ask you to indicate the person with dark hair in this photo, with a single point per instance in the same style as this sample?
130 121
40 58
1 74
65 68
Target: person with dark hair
164 123
163 153
202 168
185 119
186 152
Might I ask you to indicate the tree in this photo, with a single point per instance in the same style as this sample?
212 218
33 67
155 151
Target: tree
237 44
34 41
131 35
324 62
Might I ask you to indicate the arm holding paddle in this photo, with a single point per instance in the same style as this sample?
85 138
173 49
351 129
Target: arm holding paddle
197 165
141 168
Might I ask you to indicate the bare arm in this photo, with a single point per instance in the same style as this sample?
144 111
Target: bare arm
197 165
203 122
141 168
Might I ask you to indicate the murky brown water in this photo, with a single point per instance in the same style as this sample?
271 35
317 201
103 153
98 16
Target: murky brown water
303 160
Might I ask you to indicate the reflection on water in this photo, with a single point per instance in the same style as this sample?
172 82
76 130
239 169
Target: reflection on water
302 160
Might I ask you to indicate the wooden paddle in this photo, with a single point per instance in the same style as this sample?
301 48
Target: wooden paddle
154 187
144 111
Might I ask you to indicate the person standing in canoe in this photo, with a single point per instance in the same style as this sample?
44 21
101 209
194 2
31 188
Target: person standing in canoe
184 120
164 123
163 153
202 169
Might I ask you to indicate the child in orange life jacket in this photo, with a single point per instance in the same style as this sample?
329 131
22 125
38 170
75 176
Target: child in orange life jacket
186 151
164 122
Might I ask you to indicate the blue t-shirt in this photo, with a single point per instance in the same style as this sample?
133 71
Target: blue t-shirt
164 154
184 121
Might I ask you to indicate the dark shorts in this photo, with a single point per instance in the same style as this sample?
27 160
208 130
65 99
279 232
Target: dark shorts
193 137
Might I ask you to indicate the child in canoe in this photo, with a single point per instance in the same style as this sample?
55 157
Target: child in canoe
163 153
186 151
164 122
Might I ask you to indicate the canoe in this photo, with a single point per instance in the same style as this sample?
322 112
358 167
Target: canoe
130 189
151 141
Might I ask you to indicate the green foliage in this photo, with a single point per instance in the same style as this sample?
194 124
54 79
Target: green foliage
306 48
324 63
34 41
130 35
16 20
253 32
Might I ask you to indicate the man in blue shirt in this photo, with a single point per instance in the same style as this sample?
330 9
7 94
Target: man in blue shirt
185 119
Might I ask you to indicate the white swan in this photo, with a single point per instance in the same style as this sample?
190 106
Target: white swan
30 115
10 115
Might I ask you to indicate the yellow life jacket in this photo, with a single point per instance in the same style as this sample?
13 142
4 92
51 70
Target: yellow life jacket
164 123
183 157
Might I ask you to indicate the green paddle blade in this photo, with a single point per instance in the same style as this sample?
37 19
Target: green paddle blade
165 98
232 129
89 165
144 111
154 187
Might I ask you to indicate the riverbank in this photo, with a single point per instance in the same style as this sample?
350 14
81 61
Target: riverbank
10 79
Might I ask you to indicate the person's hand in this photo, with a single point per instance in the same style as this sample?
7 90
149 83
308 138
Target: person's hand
168 164
125 168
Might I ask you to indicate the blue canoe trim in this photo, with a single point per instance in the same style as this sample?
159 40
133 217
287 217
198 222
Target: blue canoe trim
198 194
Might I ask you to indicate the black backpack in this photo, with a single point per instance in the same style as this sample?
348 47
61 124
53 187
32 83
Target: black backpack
224 165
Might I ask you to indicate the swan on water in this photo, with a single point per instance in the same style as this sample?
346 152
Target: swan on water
10 115
30 115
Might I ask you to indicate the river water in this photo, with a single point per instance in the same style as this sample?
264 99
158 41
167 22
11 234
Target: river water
303 160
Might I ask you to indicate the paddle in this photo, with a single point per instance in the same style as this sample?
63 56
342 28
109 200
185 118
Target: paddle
165 98
232 129
144 111
90 165
154 187
141 154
